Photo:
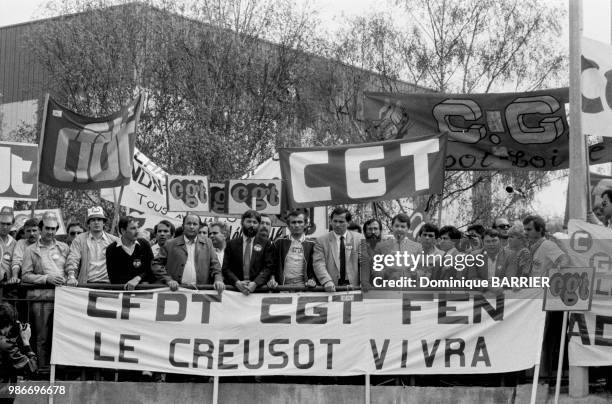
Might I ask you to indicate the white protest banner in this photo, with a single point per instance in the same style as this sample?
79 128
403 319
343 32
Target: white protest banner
595 87
19 168
188 193
22 215
266 194
590 333
146 192
200 332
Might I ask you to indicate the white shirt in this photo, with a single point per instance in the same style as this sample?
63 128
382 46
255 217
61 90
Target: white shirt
220 253
128 250
294 261
338 243
97 258
189 272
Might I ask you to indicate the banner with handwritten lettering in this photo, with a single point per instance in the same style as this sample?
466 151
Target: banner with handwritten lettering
241 194
334 334
502 131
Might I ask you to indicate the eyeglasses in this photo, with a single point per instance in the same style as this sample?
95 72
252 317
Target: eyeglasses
503 226
6 224
75 233
50 228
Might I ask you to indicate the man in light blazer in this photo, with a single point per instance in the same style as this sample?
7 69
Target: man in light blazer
336 254
188 259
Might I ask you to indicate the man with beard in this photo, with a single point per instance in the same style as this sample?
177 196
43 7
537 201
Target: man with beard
372 230
128 261
265 226
43 264
336 254
188 259
31 236
87 258
293 255
164 231
248 261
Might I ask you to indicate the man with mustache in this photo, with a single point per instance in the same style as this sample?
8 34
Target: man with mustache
248 261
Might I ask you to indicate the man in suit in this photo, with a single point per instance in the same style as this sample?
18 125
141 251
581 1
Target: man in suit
188 259
336 254
248 261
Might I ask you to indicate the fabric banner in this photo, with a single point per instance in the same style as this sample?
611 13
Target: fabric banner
266 193
146 193
320 176
80 152
188 193
19 167
590 333
506 131
200 332
596 88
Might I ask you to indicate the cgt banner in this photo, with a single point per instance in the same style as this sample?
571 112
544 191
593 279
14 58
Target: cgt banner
320 176
188 193
590 333
265 193
80 152
198 332
19 163
508 131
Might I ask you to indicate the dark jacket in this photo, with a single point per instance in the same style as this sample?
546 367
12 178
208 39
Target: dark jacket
15 359
262 261
170 263
122 267
281 248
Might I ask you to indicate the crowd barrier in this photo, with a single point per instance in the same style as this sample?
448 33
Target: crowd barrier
17 295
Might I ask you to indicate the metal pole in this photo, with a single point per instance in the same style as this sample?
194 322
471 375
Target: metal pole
367 388
51 383
534 386
215 390
561 355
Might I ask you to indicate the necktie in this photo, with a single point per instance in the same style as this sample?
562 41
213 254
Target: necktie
342 262
246 260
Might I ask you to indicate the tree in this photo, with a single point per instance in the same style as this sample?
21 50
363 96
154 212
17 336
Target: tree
463 47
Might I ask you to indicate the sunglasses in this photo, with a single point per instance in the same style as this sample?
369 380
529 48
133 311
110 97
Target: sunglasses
50 228
75 233
503 226
6 224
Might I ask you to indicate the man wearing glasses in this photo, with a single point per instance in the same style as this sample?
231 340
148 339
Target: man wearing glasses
86 261
7 243
74 229
43 264
502 225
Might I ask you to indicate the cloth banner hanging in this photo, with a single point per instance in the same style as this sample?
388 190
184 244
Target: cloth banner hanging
590 333
19 167
199 332
80 152
319 176
506 131
596 88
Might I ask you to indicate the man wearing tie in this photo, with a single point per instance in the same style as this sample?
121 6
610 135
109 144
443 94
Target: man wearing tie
248 261
336 254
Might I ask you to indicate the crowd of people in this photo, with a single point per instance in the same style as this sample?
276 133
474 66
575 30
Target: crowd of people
200 253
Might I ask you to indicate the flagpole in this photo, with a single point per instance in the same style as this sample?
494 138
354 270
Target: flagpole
40 145
117 209
579 376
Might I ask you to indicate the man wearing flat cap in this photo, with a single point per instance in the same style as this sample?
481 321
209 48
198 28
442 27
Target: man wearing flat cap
86 261
43 264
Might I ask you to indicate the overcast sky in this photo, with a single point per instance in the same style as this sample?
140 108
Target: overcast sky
551 201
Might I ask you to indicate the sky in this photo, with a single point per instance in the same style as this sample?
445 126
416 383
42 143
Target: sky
549 202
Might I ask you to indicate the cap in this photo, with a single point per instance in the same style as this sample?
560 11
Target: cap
95 213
